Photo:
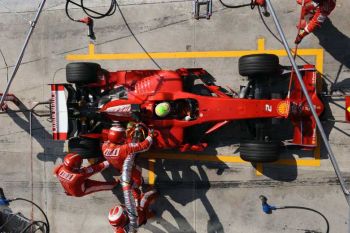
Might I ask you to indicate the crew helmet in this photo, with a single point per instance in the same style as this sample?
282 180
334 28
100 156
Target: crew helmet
72 161
117 134
117 216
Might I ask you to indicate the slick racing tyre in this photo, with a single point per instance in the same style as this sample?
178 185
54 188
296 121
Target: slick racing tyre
86 147
82 72
259 151
258 64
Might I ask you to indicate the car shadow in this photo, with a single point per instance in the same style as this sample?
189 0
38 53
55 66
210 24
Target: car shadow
180 183
183 182
231 134
51 149
340 51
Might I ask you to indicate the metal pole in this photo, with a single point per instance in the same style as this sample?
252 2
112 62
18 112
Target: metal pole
19 60
312 108
31 163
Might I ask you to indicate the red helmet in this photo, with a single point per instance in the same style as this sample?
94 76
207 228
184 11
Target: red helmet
117 216
117 134
72 161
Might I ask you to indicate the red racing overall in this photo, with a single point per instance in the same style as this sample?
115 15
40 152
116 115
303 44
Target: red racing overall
319 13
116 154
144 213
78 183
9 97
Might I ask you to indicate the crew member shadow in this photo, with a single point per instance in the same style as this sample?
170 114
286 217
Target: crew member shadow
327 35
334 42
180 183
51 149
183 186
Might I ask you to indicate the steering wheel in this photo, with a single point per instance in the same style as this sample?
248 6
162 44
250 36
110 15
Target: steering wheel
192 107
137 131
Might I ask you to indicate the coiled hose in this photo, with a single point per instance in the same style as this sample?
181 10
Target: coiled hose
130 203
129 200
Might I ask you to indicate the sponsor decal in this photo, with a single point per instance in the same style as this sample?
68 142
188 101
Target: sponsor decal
283 108
53 107
121 110
268 108
59 113
111 152
66 176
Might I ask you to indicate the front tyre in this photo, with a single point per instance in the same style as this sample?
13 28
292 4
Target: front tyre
260 151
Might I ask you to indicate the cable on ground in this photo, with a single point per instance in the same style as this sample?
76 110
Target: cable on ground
269 208
132 33
251 4
46 223
98 15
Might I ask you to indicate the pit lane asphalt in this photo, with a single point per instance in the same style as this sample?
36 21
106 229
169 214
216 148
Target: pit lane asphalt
197 196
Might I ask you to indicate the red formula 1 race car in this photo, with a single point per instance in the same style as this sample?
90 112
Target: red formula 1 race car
83 112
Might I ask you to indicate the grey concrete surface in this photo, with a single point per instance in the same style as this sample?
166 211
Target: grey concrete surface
195 196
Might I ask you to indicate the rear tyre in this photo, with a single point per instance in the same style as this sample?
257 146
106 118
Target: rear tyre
87 147
260 151
258 64
82 72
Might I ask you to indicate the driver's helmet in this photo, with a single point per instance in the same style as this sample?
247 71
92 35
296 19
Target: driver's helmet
117 217
72 161
162 109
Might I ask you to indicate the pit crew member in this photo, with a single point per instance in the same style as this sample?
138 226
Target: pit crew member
317 11
116 149
118 217
75 179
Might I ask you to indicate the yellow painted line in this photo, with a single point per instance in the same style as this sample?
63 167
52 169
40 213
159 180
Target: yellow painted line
151 174
91 49
318 53
194 157
259 169
220 158
228 159
299 162
165 55
261 44
319 60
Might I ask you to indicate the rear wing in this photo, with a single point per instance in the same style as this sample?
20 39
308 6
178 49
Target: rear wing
59 112
304 124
